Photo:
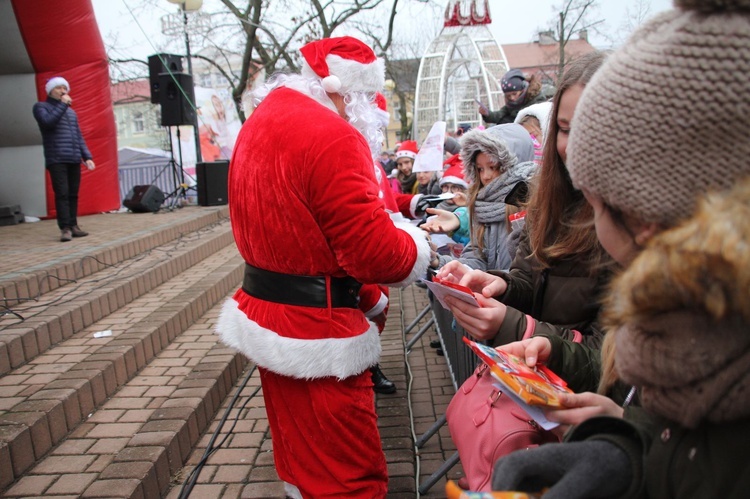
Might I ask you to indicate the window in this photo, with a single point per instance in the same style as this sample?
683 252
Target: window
206 80
138 123
397 109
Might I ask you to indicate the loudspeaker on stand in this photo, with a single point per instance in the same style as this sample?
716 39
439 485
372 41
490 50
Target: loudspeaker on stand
177 99
161 63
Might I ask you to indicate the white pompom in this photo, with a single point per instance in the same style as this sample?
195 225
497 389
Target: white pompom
331 84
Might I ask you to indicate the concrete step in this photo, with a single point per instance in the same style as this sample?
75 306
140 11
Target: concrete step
63 312
142 435
69 263
51 396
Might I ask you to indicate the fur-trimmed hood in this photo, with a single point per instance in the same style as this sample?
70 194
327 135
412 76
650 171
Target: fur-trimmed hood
506 144
680 316
701 265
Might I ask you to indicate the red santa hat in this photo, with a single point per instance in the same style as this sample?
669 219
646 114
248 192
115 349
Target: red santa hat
455 173
407 149
344 65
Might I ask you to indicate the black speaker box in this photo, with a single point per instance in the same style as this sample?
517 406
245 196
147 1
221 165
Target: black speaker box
212 183
177 99
161 63
144 198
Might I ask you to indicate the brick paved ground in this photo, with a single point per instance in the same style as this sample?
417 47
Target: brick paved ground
118 416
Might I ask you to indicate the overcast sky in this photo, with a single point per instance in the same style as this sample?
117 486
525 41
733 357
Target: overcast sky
514 21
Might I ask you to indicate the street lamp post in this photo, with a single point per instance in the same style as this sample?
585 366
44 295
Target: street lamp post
185 7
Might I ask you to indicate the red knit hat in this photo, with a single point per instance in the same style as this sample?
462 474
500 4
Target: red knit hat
407 149
454 174
344 65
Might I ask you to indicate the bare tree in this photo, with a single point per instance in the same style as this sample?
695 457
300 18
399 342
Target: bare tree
264 35
572 18
635 15
401 42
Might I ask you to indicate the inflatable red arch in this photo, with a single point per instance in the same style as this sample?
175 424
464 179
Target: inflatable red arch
63 39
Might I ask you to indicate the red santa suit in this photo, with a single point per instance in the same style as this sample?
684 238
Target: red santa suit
304 201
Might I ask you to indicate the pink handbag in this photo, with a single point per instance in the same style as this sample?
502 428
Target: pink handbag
485 425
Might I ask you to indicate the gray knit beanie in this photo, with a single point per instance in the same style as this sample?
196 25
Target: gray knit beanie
668 115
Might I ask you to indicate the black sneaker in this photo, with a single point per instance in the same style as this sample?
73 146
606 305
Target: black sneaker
435 344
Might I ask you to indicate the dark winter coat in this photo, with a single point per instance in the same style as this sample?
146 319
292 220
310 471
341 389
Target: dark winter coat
670 461
508 115
61 135
562 298
683 293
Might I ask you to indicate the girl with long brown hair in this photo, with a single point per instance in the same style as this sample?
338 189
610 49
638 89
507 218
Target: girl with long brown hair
559 270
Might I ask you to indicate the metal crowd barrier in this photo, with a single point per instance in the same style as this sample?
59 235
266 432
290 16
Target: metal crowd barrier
461 363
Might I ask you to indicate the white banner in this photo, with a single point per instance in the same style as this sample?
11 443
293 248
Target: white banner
430 155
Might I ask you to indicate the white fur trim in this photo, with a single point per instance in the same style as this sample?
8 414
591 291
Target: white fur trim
406 154
379 306
331 84
303 359
454 180
397 217
354 76
56 82
419 270
292 491
413 205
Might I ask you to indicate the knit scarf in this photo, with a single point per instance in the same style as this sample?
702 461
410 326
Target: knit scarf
689 368
407 182
489 210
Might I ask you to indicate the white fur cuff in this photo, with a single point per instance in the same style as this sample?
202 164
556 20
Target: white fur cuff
296 358
419 270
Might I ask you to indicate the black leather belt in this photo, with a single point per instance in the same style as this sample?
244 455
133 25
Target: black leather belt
304 291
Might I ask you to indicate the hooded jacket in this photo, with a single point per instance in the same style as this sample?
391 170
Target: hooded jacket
681 316
509 146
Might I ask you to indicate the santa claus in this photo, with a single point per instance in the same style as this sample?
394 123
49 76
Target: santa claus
312 229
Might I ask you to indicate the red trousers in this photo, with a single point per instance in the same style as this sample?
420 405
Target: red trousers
325 435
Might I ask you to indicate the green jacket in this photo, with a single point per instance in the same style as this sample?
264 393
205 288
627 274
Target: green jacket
670 461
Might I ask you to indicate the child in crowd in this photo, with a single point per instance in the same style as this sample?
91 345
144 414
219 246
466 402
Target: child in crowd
428 183
406 178
535 120
452 216
494 161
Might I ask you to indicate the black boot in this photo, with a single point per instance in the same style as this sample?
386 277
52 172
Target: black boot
382 384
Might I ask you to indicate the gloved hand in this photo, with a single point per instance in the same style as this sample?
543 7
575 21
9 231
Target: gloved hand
425 202
593 468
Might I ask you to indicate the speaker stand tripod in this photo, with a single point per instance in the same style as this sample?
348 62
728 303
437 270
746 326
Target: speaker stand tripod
178 197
